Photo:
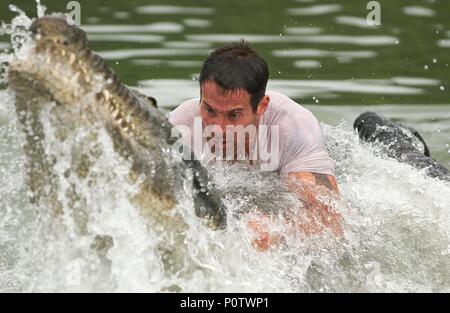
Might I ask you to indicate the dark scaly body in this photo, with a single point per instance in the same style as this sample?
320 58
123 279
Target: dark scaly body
400 142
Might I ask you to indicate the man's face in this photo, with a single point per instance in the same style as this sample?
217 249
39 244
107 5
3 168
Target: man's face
221 108
225 107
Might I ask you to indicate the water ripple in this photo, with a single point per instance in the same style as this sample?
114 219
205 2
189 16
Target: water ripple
321 39
166 27
354 21
324 53
194 22
444 43
315 10
307 64
303 30
125 38
168 9
418 11
186 44
172 63
293 88
132 53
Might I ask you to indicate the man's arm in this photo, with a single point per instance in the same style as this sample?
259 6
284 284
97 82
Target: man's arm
309 187
319 215
318 179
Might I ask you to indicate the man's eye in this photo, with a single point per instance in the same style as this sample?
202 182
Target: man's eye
234 115
210 111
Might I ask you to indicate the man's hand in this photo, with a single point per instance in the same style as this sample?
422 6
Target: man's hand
262 227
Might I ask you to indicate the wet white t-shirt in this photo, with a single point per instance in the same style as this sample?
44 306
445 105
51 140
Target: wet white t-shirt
292 140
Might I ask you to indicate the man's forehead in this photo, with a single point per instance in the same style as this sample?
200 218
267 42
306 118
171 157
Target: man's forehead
215 93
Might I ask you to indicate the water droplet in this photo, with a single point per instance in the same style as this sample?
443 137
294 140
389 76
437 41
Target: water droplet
40 8
439 130
14 8
397 42
442 88
435 61
279 72
117 62
425 67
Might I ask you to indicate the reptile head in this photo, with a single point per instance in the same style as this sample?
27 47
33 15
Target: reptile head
51 30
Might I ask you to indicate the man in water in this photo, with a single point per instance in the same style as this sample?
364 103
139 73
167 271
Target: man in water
242 121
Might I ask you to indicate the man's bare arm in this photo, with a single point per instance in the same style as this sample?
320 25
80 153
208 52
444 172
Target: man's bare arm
319 215
309 187
317 179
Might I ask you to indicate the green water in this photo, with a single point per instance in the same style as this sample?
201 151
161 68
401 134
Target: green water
411 46
321 53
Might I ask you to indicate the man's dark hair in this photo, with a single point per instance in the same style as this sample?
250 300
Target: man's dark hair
237 66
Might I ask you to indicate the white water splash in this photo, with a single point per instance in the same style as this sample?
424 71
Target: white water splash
40 8
21 43
396 233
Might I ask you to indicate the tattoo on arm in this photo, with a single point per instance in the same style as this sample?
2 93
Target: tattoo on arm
324 180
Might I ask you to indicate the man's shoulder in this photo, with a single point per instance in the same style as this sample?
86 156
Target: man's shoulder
301 139
282 107
276 94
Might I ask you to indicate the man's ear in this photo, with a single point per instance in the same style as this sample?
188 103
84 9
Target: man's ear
262 106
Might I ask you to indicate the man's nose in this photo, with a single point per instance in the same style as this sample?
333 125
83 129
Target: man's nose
221 126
